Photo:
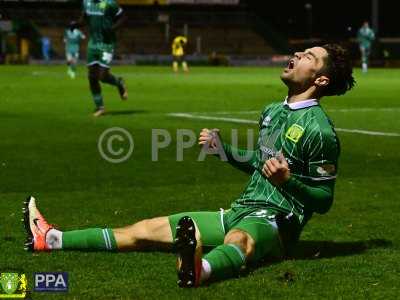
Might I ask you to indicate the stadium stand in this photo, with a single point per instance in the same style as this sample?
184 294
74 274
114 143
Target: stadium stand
226 32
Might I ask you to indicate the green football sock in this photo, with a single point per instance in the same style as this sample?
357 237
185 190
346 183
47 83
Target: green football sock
89 239
73 67
98 100
225 261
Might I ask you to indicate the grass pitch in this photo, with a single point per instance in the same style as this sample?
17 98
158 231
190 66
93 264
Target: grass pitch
49 149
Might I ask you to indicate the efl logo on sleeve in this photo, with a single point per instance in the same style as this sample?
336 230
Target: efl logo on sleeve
51 282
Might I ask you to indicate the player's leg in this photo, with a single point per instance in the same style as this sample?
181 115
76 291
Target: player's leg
68 58
93 61
364 59
107 77
144 235
175 66
95 89
367 54
192 232
248 240
73 62
150 234
185 67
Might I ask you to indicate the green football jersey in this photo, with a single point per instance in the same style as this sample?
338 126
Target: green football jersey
72 39
100 16
365 37
303 133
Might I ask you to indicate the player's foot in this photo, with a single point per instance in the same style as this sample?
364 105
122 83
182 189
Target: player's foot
99 112
36 227
123 93
71 74
189 249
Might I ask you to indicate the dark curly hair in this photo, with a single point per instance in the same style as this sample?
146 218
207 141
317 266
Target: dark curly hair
338 68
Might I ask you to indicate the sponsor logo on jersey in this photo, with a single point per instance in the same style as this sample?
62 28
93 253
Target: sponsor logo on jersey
326 170
268 153
294 133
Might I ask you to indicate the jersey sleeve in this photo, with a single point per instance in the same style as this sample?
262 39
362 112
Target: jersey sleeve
115 9
322 153
244 160
315 188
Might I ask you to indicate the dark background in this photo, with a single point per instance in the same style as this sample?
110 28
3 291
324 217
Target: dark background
329 18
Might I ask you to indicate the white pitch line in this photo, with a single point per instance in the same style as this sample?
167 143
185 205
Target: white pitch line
343 110
245 121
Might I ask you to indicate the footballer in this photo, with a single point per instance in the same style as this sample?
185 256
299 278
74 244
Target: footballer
365 37
102 17
292 174
72 39
178 53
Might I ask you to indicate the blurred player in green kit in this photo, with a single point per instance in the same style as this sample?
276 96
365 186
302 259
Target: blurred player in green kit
103 18
72 39
365 37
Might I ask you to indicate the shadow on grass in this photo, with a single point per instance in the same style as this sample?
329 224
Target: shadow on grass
309 250
125 112
328 249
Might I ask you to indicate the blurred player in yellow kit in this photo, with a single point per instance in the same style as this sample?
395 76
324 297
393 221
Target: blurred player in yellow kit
178 53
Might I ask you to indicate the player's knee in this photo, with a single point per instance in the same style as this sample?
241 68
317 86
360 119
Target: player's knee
93 76
103 74
146 229
241 239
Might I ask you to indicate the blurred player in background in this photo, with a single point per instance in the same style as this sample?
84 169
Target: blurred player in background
102 17
178 53
72 40
365 37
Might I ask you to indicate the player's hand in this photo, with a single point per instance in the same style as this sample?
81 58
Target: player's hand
209 138
276 170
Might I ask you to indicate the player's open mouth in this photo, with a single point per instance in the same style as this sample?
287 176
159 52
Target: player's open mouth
290 65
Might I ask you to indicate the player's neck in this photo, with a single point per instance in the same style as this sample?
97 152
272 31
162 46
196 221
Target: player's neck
297 96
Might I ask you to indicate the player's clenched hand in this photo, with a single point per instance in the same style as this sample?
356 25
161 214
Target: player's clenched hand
209 138
276 170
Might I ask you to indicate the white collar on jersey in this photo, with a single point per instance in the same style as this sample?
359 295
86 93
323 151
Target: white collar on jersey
301 104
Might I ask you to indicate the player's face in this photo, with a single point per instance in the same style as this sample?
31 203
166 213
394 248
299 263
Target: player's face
304 68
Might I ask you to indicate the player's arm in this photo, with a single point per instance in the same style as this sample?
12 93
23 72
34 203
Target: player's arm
317 197
83 36
359 36
244 160
119 17
316 193
372 36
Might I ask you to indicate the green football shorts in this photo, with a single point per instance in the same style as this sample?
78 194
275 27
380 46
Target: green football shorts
102 57
258 223
70 55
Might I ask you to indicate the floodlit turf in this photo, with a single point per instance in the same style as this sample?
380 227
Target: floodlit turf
49 149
